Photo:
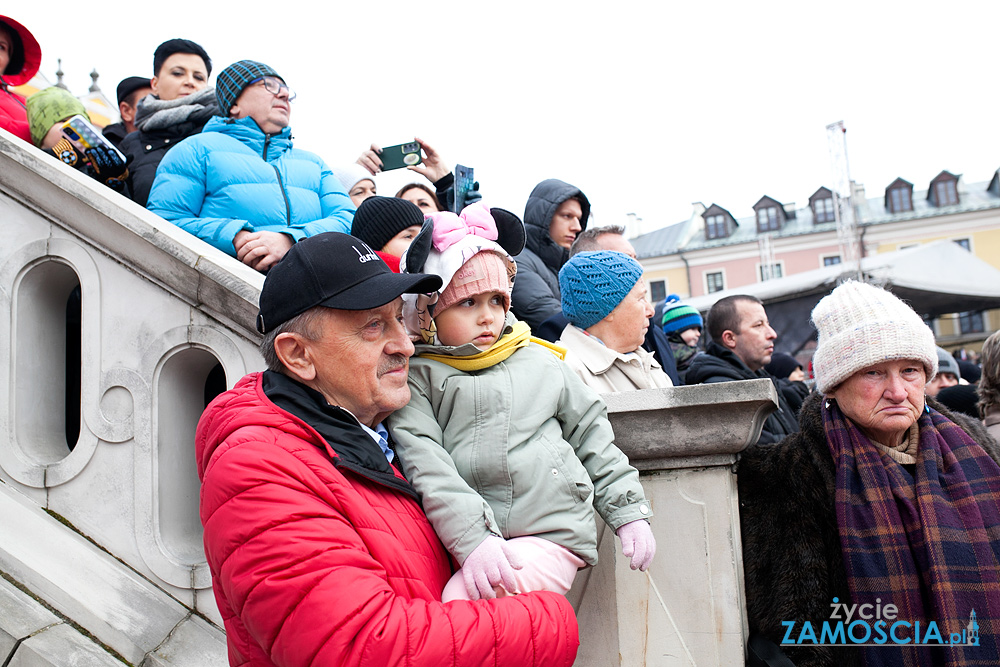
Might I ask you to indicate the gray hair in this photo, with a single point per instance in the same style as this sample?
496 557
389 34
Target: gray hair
586 240
305 324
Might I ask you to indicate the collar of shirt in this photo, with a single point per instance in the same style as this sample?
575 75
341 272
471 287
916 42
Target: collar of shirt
381 438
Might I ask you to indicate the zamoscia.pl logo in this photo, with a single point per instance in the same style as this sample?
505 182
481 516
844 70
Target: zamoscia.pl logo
875 625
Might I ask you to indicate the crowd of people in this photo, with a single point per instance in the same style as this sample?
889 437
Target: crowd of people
413 479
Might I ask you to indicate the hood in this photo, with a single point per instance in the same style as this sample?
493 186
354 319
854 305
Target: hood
247 131
542 204
443 246
26 56
546 198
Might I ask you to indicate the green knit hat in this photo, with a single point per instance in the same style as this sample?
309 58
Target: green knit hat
48 107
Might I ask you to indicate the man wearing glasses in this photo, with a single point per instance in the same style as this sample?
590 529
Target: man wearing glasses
240 185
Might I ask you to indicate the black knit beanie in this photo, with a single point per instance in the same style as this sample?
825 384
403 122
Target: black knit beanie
379 219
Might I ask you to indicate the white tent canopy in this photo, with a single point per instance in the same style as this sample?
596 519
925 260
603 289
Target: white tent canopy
935 278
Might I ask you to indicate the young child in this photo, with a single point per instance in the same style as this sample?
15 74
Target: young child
682 325
508 449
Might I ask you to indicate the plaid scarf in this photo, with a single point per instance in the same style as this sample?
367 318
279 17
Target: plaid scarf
928 543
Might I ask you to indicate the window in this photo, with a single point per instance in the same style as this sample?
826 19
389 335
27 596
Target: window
899 200
964 243
766 273
657 290
716 227
945 193
714 282
767 219
831 260
971 322
824 210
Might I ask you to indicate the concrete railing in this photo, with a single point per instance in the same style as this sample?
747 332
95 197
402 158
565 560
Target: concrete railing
114 328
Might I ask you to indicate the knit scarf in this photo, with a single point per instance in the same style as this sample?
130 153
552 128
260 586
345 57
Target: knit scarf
153 114
519 336
928 543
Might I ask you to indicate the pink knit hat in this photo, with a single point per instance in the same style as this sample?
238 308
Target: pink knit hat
486 271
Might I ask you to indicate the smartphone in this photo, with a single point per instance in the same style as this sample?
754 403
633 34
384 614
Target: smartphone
464 181
400 155
104 155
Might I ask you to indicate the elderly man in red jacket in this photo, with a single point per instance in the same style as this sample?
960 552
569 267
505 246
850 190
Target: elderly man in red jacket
319 551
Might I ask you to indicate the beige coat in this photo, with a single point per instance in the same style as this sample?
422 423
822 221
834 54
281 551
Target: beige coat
605 370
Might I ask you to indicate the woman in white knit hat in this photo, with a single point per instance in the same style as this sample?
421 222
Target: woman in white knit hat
883 498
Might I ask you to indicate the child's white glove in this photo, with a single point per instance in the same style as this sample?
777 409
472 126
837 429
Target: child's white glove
638 543
491 564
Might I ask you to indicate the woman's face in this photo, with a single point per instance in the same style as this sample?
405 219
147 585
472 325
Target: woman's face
180 75
361 191
884 400
421 199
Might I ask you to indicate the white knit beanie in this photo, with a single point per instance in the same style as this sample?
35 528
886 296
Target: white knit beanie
861 325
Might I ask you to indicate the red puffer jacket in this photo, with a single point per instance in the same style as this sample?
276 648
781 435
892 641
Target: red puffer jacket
315 563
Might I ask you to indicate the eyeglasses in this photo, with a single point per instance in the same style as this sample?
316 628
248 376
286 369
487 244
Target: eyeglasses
274 85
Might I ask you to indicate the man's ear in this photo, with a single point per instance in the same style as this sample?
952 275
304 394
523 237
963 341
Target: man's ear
126 111
295 354
728 339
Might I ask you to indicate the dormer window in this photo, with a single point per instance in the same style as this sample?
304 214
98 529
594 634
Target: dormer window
899 196
767 219
821 204
715 226
944 190
770 215
719 222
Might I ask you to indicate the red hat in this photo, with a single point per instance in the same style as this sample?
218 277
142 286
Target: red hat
25 57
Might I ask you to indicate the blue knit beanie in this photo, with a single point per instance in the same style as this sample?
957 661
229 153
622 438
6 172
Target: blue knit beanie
594 283
232 80
678 316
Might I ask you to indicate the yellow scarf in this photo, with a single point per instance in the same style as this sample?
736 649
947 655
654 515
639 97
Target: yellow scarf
505 346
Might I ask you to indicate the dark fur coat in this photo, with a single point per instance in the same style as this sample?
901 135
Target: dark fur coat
791 546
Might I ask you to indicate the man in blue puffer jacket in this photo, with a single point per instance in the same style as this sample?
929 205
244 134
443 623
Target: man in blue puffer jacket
239 185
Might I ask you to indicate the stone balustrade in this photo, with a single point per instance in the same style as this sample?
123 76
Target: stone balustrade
116 328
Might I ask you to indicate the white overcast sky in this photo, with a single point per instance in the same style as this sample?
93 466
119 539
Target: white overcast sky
646 106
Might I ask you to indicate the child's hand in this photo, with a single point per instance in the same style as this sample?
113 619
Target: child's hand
638 543
489 565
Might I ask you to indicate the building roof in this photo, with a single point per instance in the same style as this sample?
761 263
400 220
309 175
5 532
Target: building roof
871 211
661 242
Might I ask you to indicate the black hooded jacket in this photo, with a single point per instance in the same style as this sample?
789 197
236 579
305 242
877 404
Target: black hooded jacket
535 296
720 364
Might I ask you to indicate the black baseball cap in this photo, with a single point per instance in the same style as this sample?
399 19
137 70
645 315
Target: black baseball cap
129 85
336 271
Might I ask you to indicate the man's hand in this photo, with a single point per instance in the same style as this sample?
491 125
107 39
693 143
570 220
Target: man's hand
433 167
261 250
638 543
490 564
370 159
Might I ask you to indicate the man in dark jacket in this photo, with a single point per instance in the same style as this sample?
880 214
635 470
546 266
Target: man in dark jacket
130 91
555 213
742 344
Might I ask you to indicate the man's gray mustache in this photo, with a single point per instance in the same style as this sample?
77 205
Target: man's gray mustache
391 363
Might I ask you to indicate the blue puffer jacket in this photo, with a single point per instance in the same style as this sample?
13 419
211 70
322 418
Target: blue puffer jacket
233 177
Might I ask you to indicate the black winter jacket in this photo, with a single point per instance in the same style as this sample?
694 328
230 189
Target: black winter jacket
535 296
719 364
